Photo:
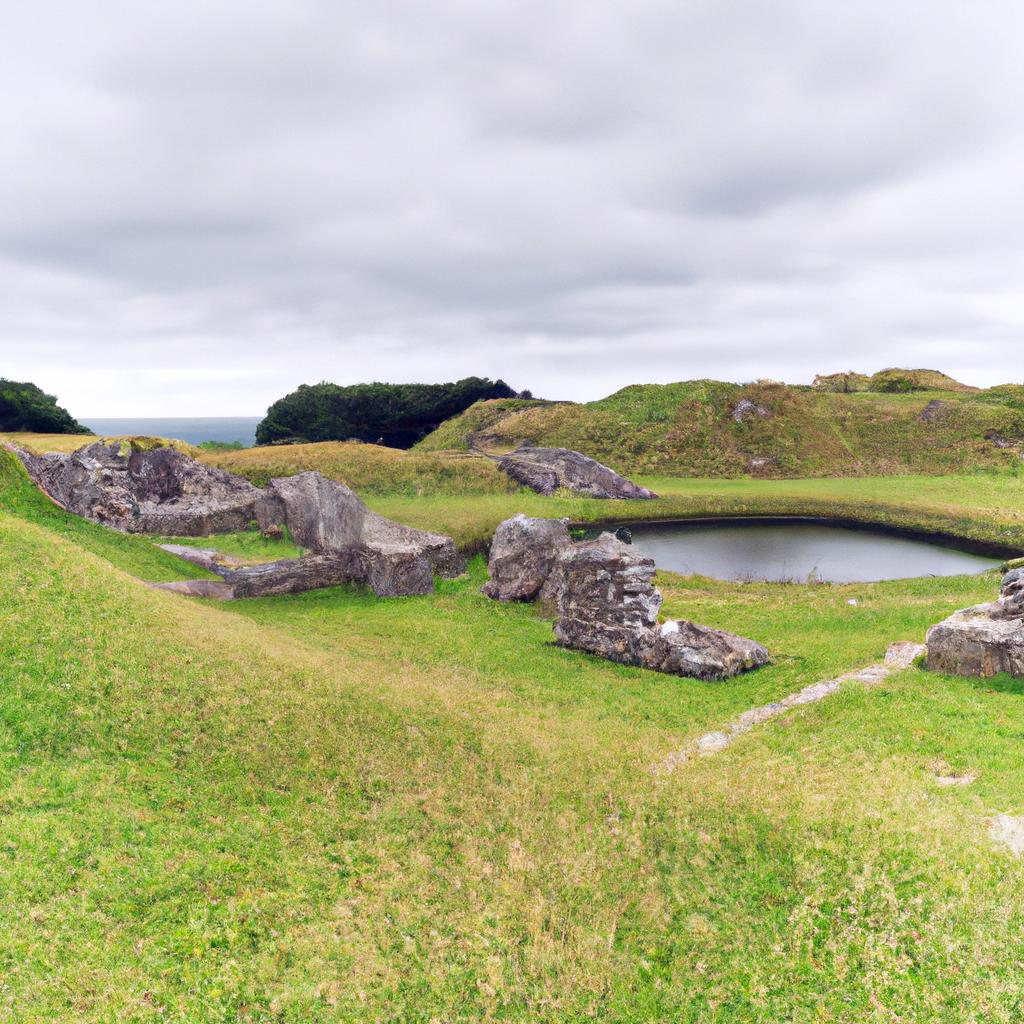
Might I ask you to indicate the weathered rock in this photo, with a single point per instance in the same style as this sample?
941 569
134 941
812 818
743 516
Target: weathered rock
523 553
217 589
399 541
165 491
933 411
903 654
206 558
388 575
545 470
745 409
984 640
685 648
608 605
321 514
160 490
324 515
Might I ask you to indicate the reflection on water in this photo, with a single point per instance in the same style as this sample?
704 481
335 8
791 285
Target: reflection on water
796 551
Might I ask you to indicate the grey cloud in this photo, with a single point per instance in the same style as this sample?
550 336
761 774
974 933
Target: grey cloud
206 203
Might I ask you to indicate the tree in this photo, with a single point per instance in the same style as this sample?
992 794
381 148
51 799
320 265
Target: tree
397 415
25 407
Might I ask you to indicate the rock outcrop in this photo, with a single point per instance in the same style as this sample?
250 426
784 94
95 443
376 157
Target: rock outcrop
984 640
324 515
523 553
686 648
603 594
545 470
387 574
159 490
164 491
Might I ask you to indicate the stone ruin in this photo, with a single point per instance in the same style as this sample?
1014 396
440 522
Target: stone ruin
164 491
605 601
984 640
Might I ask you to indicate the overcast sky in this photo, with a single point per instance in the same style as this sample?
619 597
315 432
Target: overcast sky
204 204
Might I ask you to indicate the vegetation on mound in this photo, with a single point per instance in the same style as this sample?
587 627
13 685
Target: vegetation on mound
39 444
716 429
895 381
397 415
24 406
330 807
368 468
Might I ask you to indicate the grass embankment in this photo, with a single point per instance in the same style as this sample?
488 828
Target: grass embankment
335 808
369 468
689 429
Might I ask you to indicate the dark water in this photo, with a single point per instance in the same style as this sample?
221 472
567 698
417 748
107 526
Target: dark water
193 429
795 550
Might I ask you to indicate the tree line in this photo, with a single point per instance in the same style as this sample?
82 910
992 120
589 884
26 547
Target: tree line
396 415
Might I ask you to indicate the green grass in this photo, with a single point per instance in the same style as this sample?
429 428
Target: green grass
331 807
336 808
248 546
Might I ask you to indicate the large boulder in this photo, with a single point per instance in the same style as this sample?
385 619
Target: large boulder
608 605
155 490
545 470
984 640
685 648
523 553
324 515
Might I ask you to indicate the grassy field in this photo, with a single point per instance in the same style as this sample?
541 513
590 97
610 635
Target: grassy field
335 808
331 807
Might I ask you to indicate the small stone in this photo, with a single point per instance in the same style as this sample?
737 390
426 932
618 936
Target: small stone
903 654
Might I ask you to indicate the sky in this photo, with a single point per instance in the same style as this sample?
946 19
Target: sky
206 203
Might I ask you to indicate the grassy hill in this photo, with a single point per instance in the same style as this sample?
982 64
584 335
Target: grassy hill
715 429
330 807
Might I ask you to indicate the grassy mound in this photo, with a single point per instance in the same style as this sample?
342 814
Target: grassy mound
892 381
368 468
700 428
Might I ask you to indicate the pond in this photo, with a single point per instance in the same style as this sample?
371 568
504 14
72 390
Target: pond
798 550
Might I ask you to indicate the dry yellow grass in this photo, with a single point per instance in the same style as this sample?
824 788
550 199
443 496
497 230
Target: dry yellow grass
369 468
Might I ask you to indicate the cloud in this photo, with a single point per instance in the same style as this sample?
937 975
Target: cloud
203 205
